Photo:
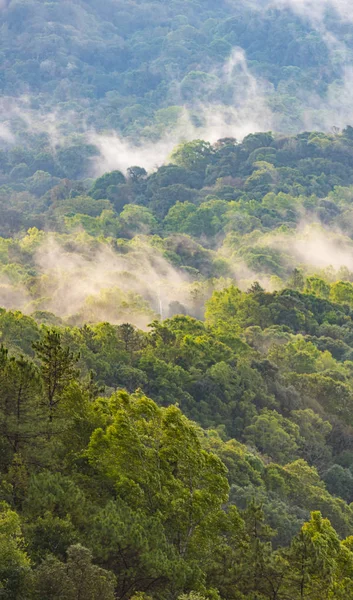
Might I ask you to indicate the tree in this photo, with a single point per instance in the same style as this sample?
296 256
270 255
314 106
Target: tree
133 545
313 557
177 219
342 291
154 457
76 579
131 338
137 174
137 219
225 308
57 367
296 280
274 435
14 562
193 156
339 482
101 185
314 432
317 286
20 413
259 535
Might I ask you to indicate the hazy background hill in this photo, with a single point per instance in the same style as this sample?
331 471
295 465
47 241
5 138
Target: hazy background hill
182 68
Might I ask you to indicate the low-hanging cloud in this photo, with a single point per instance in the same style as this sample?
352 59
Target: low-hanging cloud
314 11
6 134
13 296
313 247
319 248
245 109
317 10
19 121
88 281
335 109
248 110
316 249
117 152
246 113
95 284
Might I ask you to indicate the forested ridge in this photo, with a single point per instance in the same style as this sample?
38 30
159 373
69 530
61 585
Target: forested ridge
214 213
177 388
133 65
176 324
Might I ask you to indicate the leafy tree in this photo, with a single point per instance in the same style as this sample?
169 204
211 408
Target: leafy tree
101 185
14 562
193 156
317 286
137 174
274 435
342 291
134 546
314 433
154 457
339 482
75 579
313 558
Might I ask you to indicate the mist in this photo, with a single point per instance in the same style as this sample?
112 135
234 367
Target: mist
317 10
83 280
13 296
246 113
117 152
94 283
6 134
318 247
313 247
244 108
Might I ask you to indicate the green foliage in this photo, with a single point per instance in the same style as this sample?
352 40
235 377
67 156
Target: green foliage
183 459
76 579
176 362
134 498
193 156
57 367
156 462
14 562
274 436
101 185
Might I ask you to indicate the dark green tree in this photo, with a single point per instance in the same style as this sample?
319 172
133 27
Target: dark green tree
57 365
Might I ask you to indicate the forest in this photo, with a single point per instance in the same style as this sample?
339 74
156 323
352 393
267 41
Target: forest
176 374
176 300
134 66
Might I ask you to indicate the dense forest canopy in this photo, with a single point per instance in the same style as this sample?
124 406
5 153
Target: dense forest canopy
147 69
136 245
176 300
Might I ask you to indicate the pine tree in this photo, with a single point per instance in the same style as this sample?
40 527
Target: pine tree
57 367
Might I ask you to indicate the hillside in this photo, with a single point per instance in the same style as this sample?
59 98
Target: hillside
134 246
134 67
176 300
137 326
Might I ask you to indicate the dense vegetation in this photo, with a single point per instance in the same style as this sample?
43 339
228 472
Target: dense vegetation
159 243
176 346
211 453
122 495
132 66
